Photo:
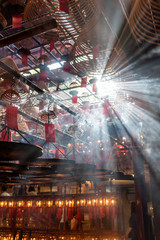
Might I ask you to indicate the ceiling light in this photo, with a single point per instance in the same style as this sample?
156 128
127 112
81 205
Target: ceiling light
55 65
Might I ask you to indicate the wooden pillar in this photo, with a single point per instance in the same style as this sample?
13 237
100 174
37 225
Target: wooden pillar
142 197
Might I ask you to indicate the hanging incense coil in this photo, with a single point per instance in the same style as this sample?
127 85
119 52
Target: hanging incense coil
10 63
9 96
3 22
145 21
9 82
47 116
83 14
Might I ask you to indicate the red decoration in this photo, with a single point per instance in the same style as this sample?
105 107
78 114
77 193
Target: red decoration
66 67
17 21
61 150
84 82
24 59
64 6
86 107
70 213
101 212
51 45
95 51
107 212
11 116
90 212
105 109
49 132
94 87
59 213
123 151
6 136
43 76
74 99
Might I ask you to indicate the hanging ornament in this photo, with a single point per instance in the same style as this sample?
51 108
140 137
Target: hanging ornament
86 105
105 108
51 46
66 67
95 51
43 72
58 81
24 52
93 82
6 136
64 6
83 81
17 21
11 116
49 132
74 96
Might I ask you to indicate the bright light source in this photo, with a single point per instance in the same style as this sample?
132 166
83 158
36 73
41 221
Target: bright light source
55 65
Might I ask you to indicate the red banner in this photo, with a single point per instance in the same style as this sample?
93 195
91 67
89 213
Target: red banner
51 45
64 6
17 21
94 87
59 213
105 109
95 51
11 116
74 99
84 82
43 76
6 136
66 67
24 59
49 132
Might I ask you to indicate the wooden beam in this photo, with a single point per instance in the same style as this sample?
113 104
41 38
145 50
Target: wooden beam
27 33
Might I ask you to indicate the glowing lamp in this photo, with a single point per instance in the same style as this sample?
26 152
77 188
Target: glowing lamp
29 204
121 147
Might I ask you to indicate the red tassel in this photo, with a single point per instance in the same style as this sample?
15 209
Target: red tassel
24 59
94 87
64 6
11 116
66 67
17 21
84 82
95 217
74 99
51 45
43 76
6 136
95 51
49 132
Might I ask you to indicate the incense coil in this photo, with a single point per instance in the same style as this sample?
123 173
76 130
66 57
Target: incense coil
47 116
82 16
9 96
145 21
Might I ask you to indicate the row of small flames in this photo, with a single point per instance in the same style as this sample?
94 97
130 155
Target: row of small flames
59 203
